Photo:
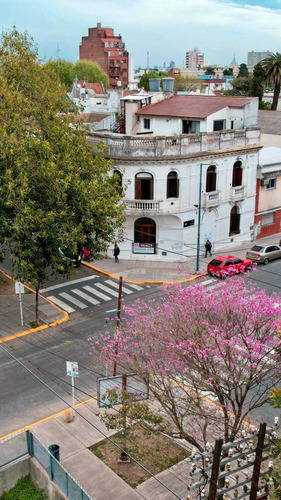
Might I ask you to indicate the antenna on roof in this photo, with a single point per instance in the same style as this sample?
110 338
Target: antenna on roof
148 61
58 51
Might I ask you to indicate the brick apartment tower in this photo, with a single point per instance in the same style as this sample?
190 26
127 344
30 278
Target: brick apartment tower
103 47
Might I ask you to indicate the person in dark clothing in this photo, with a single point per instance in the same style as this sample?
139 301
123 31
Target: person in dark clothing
208 248
116 252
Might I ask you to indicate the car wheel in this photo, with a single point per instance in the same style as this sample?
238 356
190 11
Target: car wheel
249 268
266 261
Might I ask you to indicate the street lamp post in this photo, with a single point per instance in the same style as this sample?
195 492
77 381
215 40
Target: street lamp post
199 214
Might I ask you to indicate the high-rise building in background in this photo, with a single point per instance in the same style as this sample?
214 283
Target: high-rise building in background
255 57
194 59
108 50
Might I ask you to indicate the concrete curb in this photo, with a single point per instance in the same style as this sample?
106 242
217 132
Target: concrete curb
38 328
139 282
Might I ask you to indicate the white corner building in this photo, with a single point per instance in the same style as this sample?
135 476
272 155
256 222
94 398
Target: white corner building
180 157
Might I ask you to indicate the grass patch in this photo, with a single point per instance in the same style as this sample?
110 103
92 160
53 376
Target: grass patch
152 449
25 489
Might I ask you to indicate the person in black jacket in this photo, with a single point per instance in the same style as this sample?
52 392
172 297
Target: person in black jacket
116 252
208 248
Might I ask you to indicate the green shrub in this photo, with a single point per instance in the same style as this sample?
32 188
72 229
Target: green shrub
25 489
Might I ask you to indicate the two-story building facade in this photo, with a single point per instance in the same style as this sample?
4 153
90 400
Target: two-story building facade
179 157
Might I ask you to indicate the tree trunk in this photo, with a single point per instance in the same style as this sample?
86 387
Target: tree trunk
275 96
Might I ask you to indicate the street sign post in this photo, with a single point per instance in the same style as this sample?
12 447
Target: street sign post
72 371
19 289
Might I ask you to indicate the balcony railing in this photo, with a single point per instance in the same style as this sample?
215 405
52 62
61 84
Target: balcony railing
144 205
237 193
121 145
210 199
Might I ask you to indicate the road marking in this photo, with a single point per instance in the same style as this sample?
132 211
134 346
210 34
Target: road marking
66 283
107 289
85 296
74 301
61 304
96 292
136 287
116 285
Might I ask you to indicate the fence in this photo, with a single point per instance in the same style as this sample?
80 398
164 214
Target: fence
26 444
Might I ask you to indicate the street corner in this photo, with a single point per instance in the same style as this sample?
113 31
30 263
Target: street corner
18 315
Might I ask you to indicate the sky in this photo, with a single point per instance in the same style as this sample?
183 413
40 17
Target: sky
166 29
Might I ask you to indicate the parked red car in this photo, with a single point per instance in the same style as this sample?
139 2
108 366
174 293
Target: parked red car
228 264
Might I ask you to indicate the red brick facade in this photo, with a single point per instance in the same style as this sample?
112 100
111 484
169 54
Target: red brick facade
108 50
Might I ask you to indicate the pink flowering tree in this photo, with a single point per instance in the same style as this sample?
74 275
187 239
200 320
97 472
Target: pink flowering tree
210 357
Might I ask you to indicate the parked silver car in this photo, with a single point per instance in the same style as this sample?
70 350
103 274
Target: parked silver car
263 254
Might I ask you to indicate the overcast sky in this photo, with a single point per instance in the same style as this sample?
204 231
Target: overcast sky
167 29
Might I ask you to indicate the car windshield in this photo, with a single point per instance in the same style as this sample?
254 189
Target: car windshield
216 263
256 248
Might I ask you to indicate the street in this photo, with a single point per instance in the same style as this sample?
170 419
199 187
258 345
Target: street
24 399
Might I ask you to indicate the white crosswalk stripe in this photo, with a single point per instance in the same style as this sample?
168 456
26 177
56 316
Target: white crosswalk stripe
138 287
73 300
61 304
97 293
116 285
107 289
85 296
72 282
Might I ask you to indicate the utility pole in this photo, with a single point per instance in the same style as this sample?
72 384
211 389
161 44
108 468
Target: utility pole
118 319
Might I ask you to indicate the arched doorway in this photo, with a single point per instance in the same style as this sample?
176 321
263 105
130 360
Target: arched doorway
234 227
144 236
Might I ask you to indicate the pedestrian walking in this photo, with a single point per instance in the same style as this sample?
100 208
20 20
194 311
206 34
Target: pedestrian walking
208 248
116 252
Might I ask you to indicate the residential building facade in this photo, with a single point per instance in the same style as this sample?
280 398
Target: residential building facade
108 50
268 198
254 58
176 156
194 59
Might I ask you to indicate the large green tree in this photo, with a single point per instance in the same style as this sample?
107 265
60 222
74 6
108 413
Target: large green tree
258 80
55 192
84 70
243 71
272 67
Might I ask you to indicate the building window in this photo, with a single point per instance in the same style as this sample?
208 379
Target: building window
267 219
234 227
143 186
211 179
219 125
118 177
271 184
172 185
146 123
237 174
190 127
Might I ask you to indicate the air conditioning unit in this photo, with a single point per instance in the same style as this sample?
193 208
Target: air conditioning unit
265 182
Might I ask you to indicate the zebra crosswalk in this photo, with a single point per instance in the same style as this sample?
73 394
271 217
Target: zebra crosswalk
87 292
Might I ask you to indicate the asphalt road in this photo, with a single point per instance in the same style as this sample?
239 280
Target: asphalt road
23 395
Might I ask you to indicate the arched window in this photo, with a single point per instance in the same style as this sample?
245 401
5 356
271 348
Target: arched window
172 185
237 174
118 175
234 227
144 235
143 186
211 179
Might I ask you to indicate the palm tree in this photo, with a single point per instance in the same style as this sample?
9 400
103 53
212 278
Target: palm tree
272 67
